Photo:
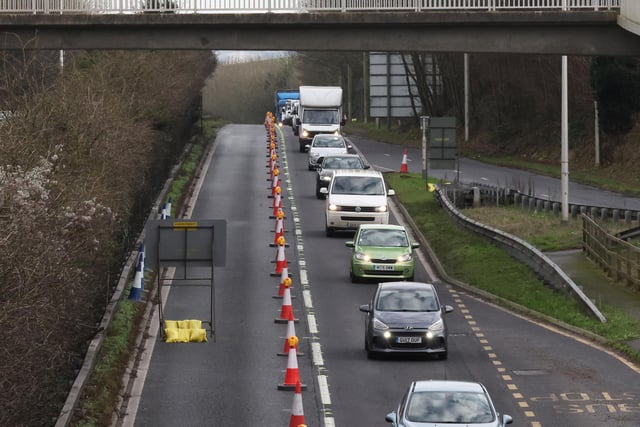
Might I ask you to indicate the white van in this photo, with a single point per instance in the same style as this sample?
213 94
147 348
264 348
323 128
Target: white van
354 197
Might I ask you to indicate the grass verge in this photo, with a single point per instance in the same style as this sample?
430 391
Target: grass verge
474 260
101 393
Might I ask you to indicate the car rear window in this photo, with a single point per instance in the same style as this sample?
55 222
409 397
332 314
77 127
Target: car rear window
407 300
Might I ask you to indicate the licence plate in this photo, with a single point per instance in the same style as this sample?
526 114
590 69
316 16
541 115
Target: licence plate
383 267
408 340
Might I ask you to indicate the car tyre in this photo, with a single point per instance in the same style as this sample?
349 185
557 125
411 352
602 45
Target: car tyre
354 278
302 148
310 167
329 231
443 355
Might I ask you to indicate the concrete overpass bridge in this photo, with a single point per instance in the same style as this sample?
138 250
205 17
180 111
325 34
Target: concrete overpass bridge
568 27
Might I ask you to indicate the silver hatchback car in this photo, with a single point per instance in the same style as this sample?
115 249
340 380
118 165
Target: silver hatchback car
431 403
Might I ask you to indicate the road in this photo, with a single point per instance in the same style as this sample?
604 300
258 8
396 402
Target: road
540 376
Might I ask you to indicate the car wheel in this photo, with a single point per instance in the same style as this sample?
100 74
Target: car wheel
310 167
302 148
410 279
328 231
354 278
443 355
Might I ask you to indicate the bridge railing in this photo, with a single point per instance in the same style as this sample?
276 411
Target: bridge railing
284 6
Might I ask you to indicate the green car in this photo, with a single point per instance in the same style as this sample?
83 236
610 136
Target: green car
381 251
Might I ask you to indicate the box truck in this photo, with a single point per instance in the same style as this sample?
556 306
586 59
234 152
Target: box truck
320 111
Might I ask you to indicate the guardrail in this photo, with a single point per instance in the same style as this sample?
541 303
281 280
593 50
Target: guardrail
544 267
483 195
289 6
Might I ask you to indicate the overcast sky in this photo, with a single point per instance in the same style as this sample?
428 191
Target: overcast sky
232 56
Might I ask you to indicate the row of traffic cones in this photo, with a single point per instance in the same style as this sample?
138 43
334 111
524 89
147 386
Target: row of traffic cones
292 379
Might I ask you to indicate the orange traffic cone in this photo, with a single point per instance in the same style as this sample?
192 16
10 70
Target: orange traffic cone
285 281
286 310
275 182
279 230
297 413
277 203
403 165
291 332
292 376
281 259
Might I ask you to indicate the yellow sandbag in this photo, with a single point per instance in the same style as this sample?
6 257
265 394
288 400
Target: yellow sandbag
183 324
171 324
195 324
176 335
198 335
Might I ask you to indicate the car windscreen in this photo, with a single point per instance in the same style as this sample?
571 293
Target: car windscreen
321 117
449 407
329 142
360 185
383 238
406 300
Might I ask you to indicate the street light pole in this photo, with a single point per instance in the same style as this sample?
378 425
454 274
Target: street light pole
424 125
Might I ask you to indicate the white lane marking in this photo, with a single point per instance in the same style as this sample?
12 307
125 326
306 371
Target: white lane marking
324 389
316 353
313 326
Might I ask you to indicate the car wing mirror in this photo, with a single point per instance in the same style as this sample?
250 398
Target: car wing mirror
391 192
391 417
415 245
366 308
447 309
350 244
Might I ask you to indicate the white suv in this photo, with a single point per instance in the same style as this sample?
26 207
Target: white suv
354 197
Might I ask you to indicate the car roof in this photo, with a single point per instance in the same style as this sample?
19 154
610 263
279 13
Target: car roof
357 172
405 285
381 227
447 385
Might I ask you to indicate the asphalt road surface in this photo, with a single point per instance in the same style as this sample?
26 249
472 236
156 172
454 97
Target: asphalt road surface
539 375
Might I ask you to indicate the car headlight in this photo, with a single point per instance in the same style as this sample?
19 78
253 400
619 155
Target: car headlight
378 324
305 133
336 132
381 208
362 256
333 207
404 257
436 326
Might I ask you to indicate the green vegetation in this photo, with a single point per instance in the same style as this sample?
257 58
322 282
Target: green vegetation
101 393
475 261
